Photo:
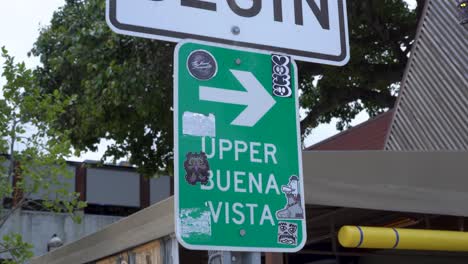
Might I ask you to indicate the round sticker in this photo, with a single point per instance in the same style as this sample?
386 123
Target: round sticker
202 65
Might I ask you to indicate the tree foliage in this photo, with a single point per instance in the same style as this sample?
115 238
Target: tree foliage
381 37
33 154
124 84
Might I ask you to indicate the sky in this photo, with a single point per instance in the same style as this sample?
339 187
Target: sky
20 21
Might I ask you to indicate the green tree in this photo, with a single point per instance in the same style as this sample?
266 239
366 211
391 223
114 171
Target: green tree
381 38
124 84
33 155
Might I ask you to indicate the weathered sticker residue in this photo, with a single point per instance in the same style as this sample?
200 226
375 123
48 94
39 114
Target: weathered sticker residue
195 124
195 221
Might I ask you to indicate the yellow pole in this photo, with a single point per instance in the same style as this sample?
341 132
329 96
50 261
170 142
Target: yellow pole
402 238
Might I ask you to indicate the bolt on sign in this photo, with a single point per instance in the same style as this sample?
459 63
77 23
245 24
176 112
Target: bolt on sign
238 167
308 30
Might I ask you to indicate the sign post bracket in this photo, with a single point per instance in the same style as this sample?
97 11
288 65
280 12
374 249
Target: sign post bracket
230 257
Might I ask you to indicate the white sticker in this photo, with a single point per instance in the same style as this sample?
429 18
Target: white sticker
195 221
195 124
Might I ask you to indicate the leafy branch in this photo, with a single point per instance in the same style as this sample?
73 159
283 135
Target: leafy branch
34 153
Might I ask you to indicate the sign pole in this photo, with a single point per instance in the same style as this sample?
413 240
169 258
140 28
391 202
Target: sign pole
229 257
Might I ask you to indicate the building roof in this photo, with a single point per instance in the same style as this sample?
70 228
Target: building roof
432 108
370 135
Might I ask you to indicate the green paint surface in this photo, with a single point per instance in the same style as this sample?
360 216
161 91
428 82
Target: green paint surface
195 226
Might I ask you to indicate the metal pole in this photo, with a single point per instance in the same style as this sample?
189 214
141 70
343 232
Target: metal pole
229 257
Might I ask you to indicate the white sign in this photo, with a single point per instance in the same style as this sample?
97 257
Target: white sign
308 30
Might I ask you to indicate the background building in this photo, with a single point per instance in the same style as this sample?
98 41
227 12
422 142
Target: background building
112 192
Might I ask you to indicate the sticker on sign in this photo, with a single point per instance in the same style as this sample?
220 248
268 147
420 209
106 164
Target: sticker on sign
308 30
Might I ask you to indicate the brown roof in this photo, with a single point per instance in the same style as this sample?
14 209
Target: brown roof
370 135
432 102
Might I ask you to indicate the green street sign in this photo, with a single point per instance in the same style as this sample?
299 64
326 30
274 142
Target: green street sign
237 154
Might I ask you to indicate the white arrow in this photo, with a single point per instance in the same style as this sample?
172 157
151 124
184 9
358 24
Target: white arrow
256 98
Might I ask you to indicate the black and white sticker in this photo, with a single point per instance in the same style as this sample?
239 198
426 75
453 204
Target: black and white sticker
202 65
287 233
293 207
281 75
